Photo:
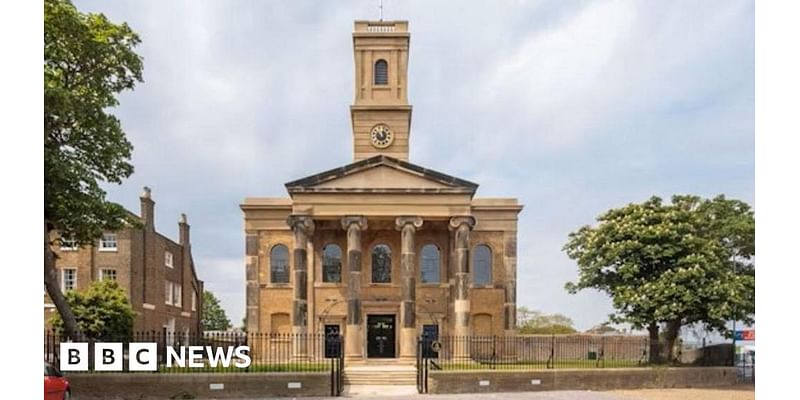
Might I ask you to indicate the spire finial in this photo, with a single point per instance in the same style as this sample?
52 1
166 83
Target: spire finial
380 7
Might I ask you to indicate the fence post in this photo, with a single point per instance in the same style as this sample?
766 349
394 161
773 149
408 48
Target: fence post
705 358
494 351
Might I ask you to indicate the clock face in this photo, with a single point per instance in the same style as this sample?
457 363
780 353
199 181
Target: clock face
382 137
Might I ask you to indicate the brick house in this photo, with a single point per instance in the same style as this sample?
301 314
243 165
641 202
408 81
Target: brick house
157 273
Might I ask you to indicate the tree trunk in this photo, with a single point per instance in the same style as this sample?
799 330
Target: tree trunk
670 334
54 291
655 345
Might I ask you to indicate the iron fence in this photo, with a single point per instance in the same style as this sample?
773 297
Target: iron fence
534 352
269 352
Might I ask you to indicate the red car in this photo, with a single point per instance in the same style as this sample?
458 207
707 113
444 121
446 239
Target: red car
56 387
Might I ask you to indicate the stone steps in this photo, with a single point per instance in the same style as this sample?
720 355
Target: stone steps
395 374
380 391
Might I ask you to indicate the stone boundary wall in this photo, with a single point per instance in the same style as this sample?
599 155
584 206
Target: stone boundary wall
578 379
139 386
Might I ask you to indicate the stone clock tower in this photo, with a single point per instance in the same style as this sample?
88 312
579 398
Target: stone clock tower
380 114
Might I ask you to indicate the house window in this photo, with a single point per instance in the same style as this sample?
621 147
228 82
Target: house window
381 264
168 292
69 279
482 265
68 244
429 264
177 299
332 263
108 242
108 274
279 264
168 259
194 301
381 72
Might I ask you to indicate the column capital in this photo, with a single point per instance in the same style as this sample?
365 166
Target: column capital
401 222
456 222
302 223
359 220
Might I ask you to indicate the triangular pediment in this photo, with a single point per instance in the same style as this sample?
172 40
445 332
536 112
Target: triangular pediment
381 174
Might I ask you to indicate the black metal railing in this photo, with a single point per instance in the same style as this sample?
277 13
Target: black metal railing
531 352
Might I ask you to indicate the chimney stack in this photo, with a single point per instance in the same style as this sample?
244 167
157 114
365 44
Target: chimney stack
147 209
183 228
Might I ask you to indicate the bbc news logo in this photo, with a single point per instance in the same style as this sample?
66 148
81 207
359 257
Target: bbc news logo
144 356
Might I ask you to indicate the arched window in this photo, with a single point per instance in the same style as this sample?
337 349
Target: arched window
332 263
482 265
381 264
429 264
279 264
381 72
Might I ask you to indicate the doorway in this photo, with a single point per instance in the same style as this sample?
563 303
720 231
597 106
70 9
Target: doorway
380 336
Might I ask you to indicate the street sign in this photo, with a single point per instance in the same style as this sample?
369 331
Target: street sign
749 334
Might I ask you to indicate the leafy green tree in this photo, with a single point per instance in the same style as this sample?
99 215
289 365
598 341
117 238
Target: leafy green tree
691 261
533 322
87 61
214 317
103 312
603 328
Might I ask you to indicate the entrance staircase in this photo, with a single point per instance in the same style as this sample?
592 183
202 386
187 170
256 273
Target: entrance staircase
384 373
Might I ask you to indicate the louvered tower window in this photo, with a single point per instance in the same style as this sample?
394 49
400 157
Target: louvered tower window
381 72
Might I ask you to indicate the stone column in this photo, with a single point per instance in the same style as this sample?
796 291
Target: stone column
460 228
303 228
408 328
353 335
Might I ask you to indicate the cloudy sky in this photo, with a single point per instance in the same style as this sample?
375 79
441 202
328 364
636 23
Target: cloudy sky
574 107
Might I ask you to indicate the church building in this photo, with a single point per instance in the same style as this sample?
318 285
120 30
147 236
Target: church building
381 250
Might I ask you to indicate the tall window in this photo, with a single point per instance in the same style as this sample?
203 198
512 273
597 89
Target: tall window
381 264
429 264
108 242
279 264
332 263
194 301
167 292
381 72
168 259
482 265
69 279
109 274
177 295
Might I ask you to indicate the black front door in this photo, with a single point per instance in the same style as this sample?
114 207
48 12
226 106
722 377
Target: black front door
380 336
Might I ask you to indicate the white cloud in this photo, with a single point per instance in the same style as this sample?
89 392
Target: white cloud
573 107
